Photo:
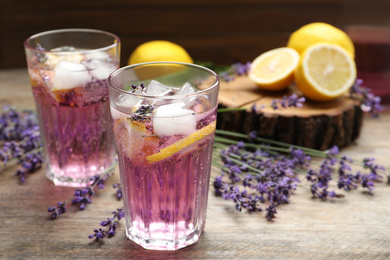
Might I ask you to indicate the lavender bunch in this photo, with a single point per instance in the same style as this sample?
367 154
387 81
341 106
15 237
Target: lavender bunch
109 226
20 140
82 197
261 171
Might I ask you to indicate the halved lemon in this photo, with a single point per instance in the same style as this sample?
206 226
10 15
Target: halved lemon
274 69
325 71
181 144
129 136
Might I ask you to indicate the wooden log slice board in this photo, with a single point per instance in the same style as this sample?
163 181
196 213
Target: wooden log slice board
319 125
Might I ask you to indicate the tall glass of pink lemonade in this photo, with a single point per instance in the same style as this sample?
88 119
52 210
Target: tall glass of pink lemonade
68 71
164 117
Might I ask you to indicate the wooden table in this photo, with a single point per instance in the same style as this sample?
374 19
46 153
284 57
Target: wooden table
355 227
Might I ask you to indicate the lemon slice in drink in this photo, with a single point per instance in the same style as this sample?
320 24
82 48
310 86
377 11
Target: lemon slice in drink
181 144
325 71
274 69
129 136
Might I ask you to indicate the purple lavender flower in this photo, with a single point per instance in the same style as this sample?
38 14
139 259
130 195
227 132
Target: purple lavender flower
257 108
226 76
264 176
20 133
288 101
238 69
347 182
368 163
370 102
258 173
333 151
320 180
57 210
218 185
271 212
110 226
143 112
366 181
241 199
99 180
30 163
295 101
82 197
241 69
299 158
118 192
134 88
344 168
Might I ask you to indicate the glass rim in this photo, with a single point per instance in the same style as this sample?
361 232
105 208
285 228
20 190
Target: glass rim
196 66
34 36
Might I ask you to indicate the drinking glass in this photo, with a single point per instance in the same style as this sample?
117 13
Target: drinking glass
164 118
68 70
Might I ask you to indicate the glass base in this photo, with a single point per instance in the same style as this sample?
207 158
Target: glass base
77 182
163 244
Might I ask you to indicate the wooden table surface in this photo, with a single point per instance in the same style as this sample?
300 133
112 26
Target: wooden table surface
355 227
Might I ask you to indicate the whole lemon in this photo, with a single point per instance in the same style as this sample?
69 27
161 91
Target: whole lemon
159 51
319 32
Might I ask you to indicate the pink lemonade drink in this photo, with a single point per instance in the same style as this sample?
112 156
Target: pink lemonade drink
164 131
68 71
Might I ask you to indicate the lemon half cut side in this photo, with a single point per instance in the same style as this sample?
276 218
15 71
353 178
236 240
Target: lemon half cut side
325 71
274 69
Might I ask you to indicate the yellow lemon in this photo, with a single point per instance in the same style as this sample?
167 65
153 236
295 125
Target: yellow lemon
159 51
274 69
319 32
325 71
181 144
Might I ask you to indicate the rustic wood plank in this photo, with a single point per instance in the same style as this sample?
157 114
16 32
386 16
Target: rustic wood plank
355 227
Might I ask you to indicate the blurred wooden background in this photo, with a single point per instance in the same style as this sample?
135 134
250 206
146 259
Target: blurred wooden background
222 31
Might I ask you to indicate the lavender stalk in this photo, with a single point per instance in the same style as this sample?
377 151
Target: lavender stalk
82 197
266 171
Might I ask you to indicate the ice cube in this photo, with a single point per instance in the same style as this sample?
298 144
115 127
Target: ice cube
101 70
70 75
187 89
127 104
97 55
54 59
100 64
64 49
156 88
174 119
116 114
